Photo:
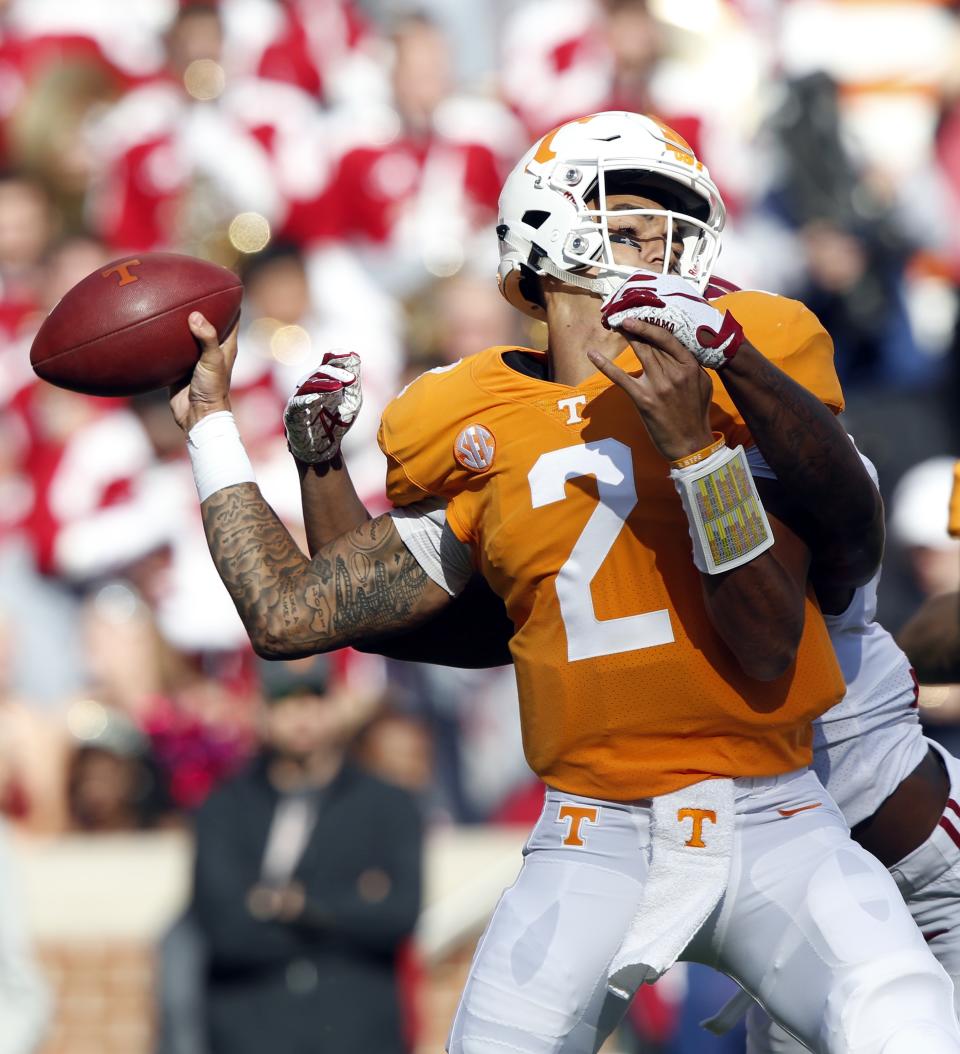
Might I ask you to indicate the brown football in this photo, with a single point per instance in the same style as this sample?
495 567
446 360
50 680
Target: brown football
123 329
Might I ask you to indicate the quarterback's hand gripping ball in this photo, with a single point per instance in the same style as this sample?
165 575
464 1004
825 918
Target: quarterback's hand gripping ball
322 409
713 337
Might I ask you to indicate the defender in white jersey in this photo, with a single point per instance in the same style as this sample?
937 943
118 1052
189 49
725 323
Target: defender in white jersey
867 753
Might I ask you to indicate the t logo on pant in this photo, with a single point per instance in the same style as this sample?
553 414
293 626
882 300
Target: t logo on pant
576 814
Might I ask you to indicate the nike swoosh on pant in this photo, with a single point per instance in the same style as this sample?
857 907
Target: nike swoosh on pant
803 808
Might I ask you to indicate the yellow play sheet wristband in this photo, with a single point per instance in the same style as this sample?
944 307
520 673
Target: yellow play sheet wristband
728 523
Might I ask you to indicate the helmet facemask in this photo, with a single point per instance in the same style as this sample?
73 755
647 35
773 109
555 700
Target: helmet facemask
589 247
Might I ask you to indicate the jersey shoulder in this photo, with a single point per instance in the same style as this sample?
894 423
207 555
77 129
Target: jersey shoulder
425 431
791 336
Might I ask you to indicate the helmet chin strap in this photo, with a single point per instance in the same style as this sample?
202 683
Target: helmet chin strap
603 286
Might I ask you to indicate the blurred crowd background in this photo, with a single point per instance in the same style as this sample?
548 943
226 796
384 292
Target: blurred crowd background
345 156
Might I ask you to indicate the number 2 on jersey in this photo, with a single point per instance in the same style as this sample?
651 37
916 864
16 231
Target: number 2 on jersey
611 463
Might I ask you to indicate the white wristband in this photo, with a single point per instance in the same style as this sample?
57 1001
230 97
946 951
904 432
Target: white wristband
217 454
728 524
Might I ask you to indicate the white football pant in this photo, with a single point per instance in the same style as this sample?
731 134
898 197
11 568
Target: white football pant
929 880
811 924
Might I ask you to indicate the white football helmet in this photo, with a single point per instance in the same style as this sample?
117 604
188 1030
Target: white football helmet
553 206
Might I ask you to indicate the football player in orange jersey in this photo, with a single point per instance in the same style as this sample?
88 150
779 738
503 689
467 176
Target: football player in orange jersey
897 789
666 701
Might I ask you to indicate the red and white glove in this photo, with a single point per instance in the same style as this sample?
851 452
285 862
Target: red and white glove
322 409
674 303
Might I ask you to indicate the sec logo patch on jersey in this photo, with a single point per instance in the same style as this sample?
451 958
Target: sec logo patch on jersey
474 448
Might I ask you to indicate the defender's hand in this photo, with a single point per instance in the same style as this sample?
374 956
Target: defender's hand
674 303
672 394
209 388
323 408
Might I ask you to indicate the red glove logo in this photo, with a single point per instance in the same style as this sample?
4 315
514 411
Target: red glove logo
728 339
674 304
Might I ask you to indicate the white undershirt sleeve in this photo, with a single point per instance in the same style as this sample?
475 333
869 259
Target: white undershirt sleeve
425 532
759 468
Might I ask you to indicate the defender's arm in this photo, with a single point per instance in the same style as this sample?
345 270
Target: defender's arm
331 505
758 608
816 464
802 441
317 416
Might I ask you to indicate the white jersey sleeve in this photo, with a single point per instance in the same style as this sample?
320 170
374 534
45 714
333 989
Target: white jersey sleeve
758 464
424 530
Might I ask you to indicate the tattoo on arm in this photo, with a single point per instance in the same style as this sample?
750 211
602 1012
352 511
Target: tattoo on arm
362 584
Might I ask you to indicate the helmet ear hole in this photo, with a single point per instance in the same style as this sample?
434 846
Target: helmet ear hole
535 218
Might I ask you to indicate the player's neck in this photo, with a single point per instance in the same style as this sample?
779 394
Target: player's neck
573 321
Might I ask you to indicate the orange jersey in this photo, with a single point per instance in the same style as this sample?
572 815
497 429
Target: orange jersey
953 521
626 690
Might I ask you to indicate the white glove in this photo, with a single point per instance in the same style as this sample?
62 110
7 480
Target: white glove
322 409
675 304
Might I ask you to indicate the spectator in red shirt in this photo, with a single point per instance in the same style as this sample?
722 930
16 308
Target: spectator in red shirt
180 157
414 181
322 47
564 58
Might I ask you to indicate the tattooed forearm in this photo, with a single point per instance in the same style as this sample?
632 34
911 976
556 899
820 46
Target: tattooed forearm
362 584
